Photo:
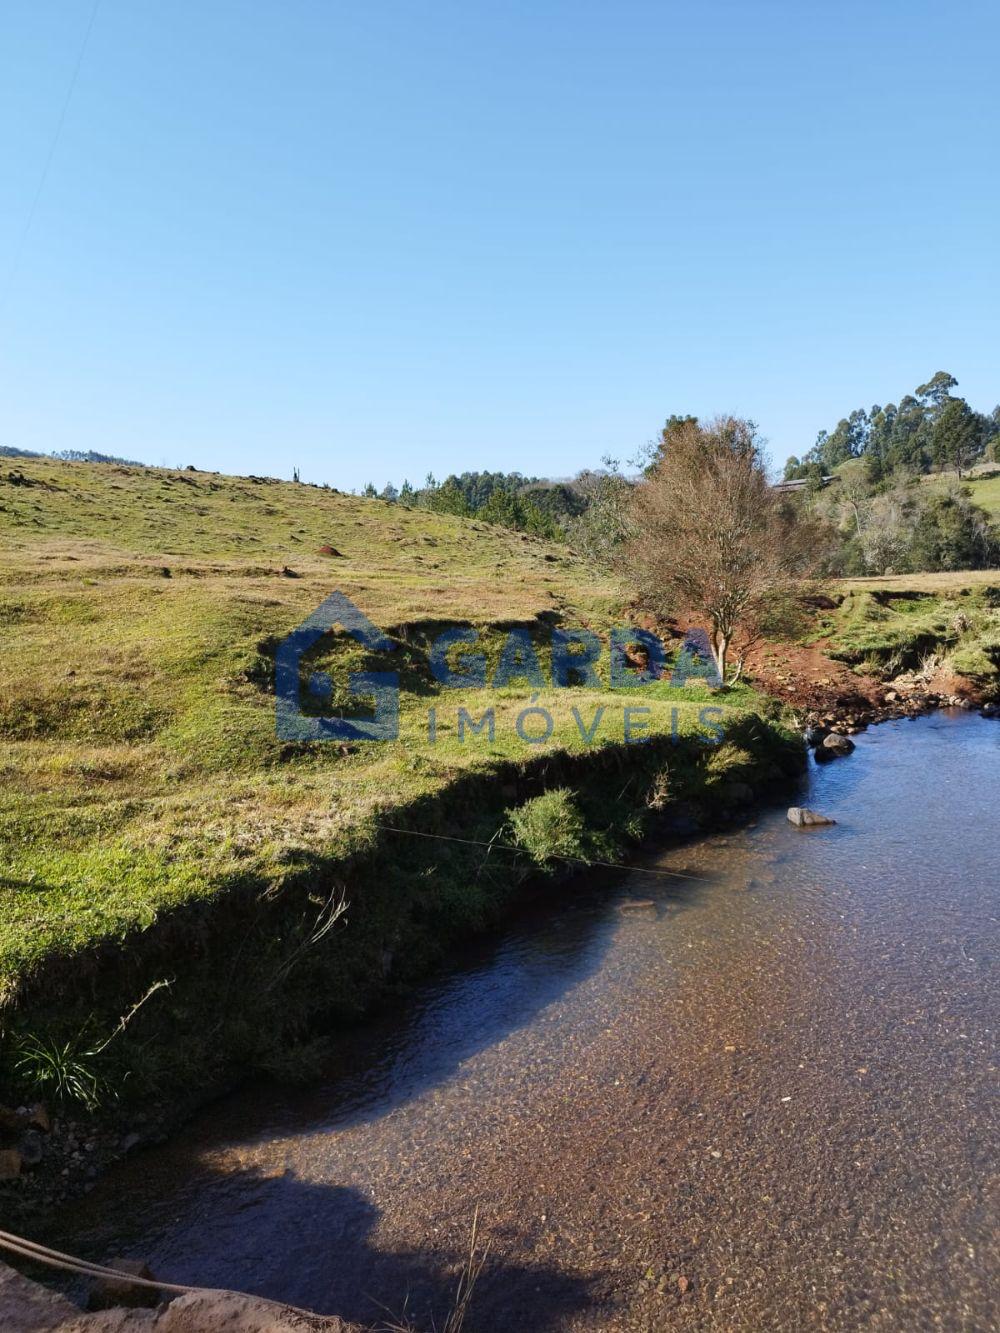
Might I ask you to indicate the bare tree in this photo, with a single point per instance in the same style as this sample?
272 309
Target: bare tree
853 496
888 531
598 533
713 539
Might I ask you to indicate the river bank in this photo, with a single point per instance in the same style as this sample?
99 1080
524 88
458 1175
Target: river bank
190 898
771 1081
63 1155
413 901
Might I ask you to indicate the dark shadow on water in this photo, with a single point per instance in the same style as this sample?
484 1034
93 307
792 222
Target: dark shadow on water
498 986
308 1243
311 1245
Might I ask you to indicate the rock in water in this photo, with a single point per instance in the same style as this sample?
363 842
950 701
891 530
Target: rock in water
838 744
803 818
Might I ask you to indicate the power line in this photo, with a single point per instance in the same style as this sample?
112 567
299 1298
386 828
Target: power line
19 250
555 856
29 1249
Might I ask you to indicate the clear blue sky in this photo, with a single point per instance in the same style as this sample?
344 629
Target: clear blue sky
373 239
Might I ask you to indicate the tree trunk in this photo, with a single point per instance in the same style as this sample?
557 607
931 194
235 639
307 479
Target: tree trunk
720 648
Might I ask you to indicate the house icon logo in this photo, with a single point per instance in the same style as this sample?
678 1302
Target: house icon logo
291 722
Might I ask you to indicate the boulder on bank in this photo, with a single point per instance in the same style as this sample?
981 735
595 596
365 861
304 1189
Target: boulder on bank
737 793
10 1163
10 1121
32 1308
803 818
106 1293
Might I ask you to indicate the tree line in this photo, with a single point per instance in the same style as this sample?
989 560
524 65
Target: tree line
526 504
931 429
881 514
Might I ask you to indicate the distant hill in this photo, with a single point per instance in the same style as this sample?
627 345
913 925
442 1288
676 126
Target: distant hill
67 455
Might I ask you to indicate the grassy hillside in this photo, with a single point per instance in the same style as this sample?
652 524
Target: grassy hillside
985 488
946 622
142 774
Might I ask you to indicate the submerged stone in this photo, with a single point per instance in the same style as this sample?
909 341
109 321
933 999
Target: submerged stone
803 818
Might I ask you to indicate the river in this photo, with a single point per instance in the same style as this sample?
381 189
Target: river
762 1097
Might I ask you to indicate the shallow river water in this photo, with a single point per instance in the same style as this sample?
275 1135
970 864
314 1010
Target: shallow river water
765 1100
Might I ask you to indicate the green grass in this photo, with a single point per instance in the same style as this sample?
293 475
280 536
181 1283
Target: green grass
986 493
919 621
985 489
142 776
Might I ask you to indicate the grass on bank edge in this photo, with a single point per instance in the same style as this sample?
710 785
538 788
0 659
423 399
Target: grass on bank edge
925 623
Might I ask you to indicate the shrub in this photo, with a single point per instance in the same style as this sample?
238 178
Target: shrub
550 827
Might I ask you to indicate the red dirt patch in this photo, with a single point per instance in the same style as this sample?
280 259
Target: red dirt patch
807 678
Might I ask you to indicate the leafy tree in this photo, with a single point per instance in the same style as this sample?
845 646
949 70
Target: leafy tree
447 498
559 500
847 441
938 388
957 435
881 424
952 533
